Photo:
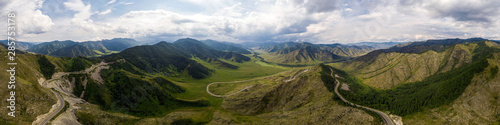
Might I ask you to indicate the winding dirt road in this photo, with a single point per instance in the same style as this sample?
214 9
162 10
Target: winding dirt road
59 75
61 101
386 118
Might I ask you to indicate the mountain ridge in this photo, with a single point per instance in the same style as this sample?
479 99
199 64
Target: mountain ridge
175 58
292 52
225 46
103 47
426 87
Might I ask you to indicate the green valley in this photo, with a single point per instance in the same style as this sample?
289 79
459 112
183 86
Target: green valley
190 82
250 62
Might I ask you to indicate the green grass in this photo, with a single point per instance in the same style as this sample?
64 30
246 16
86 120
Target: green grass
29 93
196 88
248 70
434 91
137 95
275 59
271 65
90 115
46 67
100 54
228 88
183 122
189 92
493 72
69 64
391 64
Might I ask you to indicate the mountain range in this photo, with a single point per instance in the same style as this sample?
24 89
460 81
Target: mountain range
20 45
445 81
175 58
70 48
425 81
377 45
226 46
297 53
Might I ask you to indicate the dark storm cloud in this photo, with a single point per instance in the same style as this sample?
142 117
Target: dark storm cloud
318 6
298 27
283 34
460 10
55 9
479 14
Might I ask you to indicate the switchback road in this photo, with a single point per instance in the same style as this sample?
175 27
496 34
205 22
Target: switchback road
59 75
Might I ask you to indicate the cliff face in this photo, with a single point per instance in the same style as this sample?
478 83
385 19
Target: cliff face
302 100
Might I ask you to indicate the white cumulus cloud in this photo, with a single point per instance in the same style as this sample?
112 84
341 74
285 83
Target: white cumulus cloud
29 19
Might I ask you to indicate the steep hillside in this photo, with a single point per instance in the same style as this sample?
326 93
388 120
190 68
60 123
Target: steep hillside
196 48
145 96
3 46
158 59
395 68
200 50
173 59
479 103
304 54
130 94
74 51
377 45
69 49
294 97
298 53
457 85
98 46
223 46
49 47
307 53
31 98
346 50
435 45
236 57
277 47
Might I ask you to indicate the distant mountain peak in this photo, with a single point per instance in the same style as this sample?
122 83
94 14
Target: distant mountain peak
226 46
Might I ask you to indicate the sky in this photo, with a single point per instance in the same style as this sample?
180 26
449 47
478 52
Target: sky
315 21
